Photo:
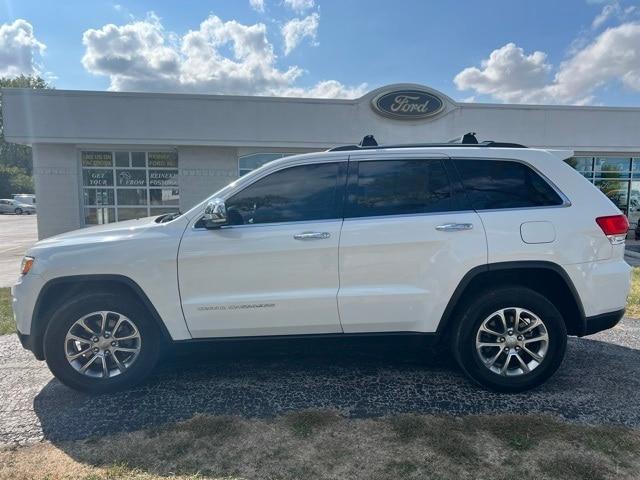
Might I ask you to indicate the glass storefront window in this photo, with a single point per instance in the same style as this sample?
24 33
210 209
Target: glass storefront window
634 203
97 178
246 163
97 216
122 185
132 196
165 196
163 160
612 164
98 196
616 190
97 159
122 159
138 159
131 178
125 213
611 174
163 178
581 164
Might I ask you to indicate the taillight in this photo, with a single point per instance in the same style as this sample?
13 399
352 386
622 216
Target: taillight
615 227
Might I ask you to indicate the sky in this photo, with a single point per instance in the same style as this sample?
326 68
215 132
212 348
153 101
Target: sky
583 52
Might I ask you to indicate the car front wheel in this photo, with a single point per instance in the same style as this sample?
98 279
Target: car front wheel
18 211
510 339
101 343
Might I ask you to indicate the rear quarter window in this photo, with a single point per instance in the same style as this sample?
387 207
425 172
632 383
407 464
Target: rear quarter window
495 184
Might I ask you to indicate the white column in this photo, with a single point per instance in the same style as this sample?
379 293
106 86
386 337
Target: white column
57 187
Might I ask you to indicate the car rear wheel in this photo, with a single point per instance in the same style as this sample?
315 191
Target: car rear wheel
18 211
101 343
510 339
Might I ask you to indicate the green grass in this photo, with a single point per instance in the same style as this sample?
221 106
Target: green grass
7 324
633 302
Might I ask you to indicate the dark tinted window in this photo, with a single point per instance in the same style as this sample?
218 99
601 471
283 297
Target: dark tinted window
306 192
396 187
503 184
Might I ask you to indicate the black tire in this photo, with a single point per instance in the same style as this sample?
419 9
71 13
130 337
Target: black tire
67 314
18 211
483 305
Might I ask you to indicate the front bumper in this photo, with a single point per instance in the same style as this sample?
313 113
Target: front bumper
604 321
24 295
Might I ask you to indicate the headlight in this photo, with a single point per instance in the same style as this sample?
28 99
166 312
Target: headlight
27 263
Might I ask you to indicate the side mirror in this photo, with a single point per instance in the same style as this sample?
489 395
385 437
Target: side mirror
215 214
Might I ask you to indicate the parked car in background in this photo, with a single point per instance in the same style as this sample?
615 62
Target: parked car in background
13 206
28 198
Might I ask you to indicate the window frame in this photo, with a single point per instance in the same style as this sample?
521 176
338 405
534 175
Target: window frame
458 203
340 194
565 200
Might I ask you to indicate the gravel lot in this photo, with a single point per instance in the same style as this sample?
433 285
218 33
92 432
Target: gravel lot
599 383
17 234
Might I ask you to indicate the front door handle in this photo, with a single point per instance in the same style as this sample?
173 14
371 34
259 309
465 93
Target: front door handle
311 235
454 227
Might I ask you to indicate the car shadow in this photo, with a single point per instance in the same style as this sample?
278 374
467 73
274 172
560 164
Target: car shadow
598 383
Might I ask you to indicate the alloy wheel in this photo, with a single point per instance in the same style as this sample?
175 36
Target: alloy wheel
512 341
102 344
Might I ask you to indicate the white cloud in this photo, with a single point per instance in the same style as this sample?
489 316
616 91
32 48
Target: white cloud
510 75
327 89
134 54
257 5
613 55
613 11
295 30
218 57
19 49
299 5
607 12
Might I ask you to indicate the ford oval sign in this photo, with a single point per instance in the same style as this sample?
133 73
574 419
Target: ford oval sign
410 104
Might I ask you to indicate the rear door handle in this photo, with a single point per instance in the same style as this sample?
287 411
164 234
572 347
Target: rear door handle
454 227
311 235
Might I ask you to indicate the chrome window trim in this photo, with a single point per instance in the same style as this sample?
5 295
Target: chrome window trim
274 224
408 215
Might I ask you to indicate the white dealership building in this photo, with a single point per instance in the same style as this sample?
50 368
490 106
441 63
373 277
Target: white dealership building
106 156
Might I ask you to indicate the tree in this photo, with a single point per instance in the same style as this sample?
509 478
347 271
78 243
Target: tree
16 162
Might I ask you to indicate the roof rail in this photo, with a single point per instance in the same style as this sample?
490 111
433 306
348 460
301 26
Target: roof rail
466 140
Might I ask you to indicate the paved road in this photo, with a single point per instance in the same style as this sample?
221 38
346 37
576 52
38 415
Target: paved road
599 383
17 233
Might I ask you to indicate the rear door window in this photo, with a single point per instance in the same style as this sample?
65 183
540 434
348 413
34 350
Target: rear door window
496 184
397 187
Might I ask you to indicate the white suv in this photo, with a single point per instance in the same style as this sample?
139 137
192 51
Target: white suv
500 250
